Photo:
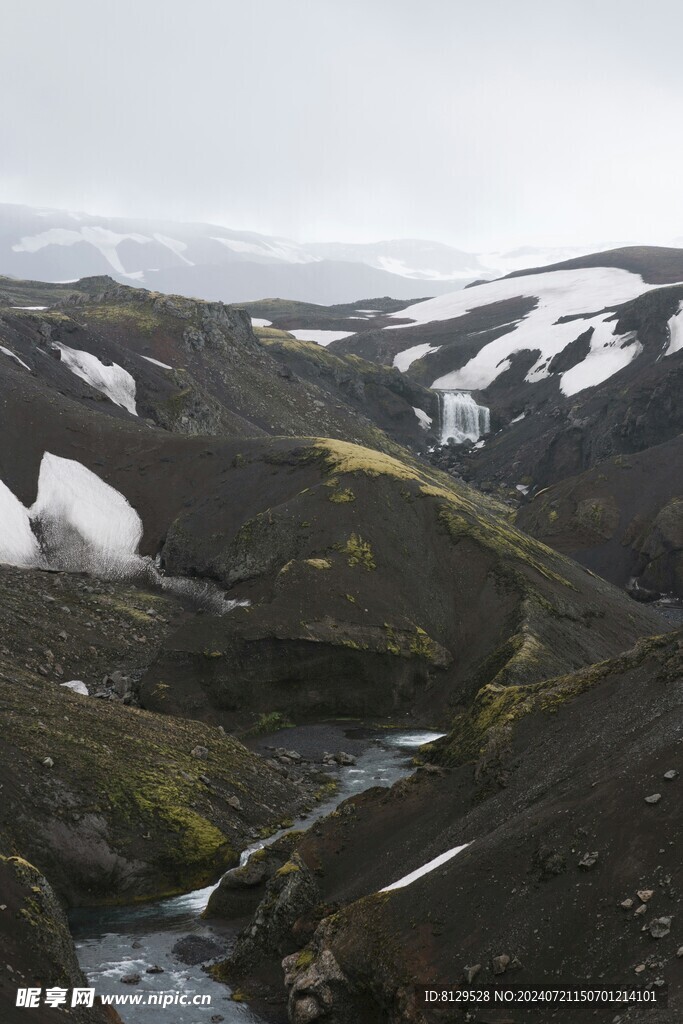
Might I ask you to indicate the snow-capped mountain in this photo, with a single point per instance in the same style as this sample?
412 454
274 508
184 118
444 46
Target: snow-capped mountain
413 258
564 325
217 263
203 260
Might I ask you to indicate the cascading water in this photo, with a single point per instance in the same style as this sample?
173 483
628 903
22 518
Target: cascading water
461 417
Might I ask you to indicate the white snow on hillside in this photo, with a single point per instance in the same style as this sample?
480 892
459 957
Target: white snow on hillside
403 360
113 381
675 325
175 245
29 307
257 321
608 354
83 522
424 420
102 239
564 293
321 337
396 266
12 355
76 686
425 869
18 543
157 362
275 249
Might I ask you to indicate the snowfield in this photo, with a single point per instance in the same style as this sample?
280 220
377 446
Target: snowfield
157 362
13 355
321 337
585 294
102 239
675 325
425 869
113 381
83 522
18 543
403 360
85 525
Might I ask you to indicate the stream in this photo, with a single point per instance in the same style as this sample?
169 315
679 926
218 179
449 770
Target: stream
112 942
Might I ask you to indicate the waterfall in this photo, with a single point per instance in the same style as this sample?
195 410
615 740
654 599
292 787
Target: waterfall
461 417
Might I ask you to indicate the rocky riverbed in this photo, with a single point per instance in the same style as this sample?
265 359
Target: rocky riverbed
165 946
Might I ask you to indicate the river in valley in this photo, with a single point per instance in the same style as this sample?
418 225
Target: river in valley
115 942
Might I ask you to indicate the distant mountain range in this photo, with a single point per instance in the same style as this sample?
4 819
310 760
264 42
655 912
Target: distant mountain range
212 262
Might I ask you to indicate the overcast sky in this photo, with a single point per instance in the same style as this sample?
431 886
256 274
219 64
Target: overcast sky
484 125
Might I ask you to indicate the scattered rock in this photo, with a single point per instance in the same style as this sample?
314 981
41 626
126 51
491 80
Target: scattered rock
196 949
342 758
679 951
645 894
131 979
470 973
589 860
499 964
292 756
659 927
654 798
200 752
48 762
626 904
640 968
154 969
641 910
234 802
671 774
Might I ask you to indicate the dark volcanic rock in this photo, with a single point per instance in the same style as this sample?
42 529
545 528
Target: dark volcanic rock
37 950
622 519
576 757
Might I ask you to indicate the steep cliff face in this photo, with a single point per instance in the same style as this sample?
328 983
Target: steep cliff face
623 519
37 946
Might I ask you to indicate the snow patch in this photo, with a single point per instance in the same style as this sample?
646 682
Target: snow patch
443 858
177 247
157 362
517 418
29 307
113 381
281 250
76 686
563 293
257 321
104 240
82 522
323 338
608 354
18 543
12 355
403 360
424 420
675 326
